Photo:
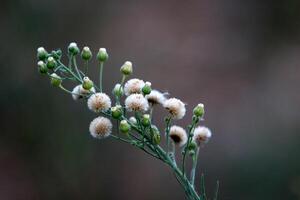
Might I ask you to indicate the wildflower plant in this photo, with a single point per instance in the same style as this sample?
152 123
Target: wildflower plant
134 115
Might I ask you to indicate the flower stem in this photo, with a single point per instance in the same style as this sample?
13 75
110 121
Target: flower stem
193 172
100 76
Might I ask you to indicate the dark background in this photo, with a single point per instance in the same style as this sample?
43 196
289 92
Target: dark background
240 58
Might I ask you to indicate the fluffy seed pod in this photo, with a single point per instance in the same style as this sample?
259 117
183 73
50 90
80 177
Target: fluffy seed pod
126 68
99 102
202 135
133 86
175 107
155 97
102 55
178 135
100 127
136 102
79 92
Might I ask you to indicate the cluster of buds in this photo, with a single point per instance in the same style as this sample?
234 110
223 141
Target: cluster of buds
133 115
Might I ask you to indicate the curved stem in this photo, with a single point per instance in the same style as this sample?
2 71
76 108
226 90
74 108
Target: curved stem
193 172
100 76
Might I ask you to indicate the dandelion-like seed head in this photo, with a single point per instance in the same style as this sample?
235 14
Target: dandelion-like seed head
175 107
133 86
136 102
100 127
99 102
155 97
78 92
202 135
178 135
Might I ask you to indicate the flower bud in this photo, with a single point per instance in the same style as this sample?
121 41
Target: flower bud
56 54
199 110
116 111
124 127
102 55
41 53
51 63
42 67
55 80
133 120
86 53
147 88
192 148
87 83
126 68
155 135
146 120
118 90
73 48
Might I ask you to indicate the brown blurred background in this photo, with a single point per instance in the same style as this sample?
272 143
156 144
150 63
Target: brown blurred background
240 58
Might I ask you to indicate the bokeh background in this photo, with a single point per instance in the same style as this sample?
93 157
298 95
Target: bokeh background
240 58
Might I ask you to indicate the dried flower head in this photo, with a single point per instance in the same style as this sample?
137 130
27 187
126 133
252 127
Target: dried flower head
78 92
155 97
99 102
136 102
202 135
100 127
133 86
178 135
175 107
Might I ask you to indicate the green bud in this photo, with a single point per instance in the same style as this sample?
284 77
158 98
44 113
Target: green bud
56 54
192 153
199 110
147 88
41 53
42 67
124 127
87 83
55 80
73 48
51 63
133 120
126 68
155 135
118 90
116 111
146 120
86 53
192 146
102 55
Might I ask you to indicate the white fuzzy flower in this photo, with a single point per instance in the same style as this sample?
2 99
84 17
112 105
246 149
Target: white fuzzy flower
133 86
202 135
175 107
99 102
78 92
155 97
178 135
100 127
136 102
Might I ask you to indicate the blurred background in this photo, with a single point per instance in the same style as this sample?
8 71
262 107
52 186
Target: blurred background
240 58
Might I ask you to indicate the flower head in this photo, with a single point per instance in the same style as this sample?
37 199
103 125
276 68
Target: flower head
201 135
178 135
99 102
133 86
79 92
175 107
136 102
155 97
100 127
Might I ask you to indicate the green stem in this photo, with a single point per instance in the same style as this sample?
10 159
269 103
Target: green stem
76 68
193 172
167 130
100 76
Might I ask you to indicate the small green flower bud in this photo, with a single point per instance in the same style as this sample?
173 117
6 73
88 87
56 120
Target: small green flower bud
118 90
124 127
41 53
116 111
126 68
146 120
86 53
55 80
192 146
87 83
155 135
51 63
147 88
42 67
73 48
56 54
199 110
102 55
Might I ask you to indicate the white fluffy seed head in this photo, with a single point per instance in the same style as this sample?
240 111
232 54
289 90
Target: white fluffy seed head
133 86
99 102
175 107
78 92
155 97
178 135
100 127
136 102
202 135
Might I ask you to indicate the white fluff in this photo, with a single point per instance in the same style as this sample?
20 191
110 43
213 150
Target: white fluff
100 127
155 97
175 107
178 135
133 86
99 102
202 135
78 92
136 102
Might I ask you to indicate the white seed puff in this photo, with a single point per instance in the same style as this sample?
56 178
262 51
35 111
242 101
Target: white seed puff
100 127
99 102
178 135
133 86
175 107
202 135
78 92
155 97
136 102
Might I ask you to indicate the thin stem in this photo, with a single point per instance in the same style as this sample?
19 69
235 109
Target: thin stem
100 76
76 68
70 61
193 172
167 130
